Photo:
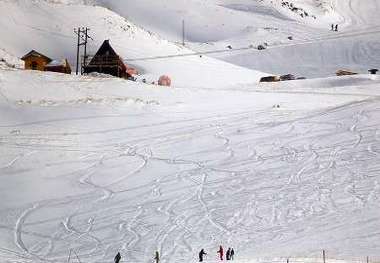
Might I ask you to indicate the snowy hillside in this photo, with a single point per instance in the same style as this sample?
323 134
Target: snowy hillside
94 165
216 24
48 28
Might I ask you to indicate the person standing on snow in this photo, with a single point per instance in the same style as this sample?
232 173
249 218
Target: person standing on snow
332 27
232 253
157 257
228 254
117 257
220 251
201 254
336 27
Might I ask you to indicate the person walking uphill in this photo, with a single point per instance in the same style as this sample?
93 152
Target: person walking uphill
232 253
201 254
220 252
228 254
157 257
117 257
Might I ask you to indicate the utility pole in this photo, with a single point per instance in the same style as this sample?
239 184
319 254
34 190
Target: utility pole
324 256
80 32
183 32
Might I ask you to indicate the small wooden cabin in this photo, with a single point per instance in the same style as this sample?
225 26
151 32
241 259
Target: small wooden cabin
270 79
107 61
36 61
343 72
60 66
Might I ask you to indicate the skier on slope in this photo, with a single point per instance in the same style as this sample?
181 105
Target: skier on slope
336 27
220 252
232 253
201 254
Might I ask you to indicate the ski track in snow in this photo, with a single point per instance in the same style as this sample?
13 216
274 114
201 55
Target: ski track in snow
170 210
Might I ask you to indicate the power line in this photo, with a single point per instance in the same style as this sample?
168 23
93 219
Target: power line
251 47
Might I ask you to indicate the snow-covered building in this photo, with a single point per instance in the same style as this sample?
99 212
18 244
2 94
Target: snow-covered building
35 60
61 66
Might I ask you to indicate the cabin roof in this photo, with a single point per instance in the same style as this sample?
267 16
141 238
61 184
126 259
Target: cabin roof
34 53
104 48
56 63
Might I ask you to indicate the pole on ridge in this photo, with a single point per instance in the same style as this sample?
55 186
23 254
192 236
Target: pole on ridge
324 256
69 257
183 32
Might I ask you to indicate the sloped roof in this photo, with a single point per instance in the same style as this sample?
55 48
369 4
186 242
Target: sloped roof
56 63
34 53
104 48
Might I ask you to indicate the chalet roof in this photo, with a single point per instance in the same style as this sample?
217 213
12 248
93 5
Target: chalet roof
104 48
34 53
106 56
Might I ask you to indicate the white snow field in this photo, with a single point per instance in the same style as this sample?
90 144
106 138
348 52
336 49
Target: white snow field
93 165
100 165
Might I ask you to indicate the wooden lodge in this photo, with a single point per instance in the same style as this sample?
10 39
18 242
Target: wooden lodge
37 61
107 61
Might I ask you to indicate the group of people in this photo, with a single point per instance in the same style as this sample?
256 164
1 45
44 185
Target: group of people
229 254
334 27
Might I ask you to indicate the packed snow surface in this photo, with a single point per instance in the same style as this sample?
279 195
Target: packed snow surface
98 165
92 165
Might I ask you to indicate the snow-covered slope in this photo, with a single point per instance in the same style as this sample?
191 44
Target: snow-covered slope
100 165
48 28
93 165
315 51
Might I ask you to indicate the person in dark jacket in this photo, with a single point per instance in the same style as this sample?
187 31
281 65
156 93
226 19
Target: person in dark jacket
201 254
228 254
220 252
157 257
336 27
232 253
117 257
332 27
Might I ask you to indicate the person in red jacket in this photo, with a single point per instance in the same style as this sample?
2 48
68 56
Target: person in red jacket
220 251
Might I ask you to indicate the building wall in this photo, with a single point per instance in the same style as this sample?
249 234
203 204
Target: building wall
59 69
39 62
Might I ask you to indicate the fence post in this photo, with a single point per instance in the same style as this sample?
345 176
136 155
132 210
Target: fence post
367 259
324 256
287 260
